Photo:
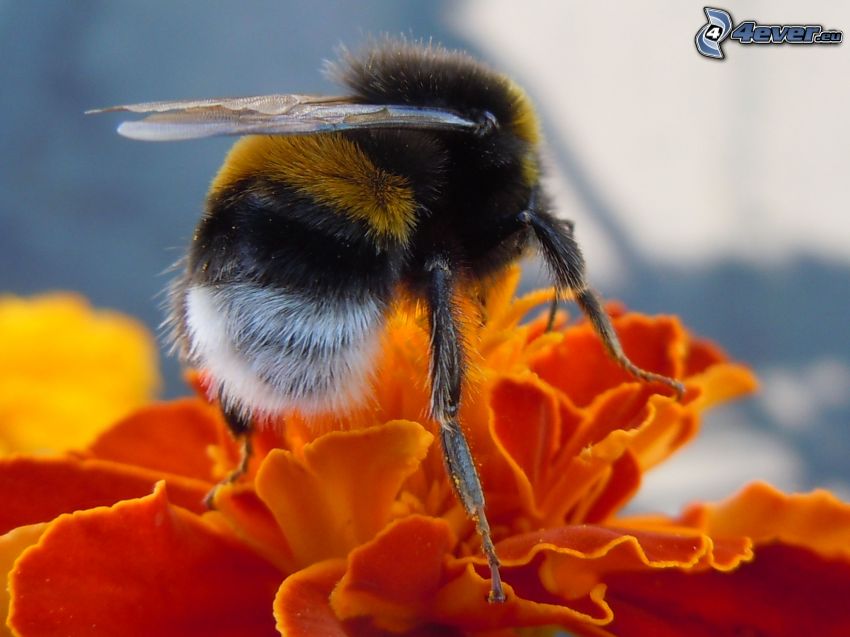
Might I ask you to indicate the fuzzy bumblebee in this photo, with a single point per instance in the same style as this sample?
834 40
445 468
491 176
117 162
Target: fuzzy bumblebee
423 181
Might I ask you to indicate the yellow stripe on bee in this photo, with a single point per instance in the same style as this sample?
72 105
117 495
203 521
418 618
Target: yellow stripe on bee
526 126
331 170
525 123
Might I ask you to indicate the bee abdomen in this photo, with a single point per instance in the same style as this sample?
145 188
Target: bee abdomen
268 350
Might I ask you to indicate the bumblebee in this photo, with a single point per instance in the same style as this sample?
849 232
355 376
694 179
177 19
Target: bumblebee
424 181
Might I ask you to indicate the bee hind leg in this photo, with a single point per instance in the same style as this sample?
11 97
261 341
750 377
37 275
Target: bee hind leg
446 380
240 428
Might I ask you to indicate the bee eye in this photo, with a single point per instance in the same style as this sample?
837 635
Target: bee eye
487 123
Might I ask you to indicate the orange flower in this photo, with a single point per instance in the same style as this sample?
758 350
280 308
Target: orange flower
350 527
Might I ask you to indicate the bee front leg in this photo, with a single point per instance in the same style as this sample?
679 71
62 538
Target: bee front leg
240 428
553 311
447 372
564 258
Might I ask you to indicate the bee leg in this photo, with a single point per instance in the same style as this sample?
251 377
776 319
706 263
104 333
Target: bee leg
553 310
564 258
446 379
240 428
524 219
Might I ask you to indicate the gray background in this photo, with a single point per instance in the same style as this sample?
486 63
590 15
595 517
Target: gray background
716 191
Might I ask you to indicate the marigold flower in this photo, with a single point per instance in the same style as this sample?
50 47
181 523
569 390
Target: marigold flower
349 526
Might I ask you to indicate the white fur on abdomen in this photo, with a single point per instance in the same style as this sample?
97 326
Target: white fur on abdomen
268 350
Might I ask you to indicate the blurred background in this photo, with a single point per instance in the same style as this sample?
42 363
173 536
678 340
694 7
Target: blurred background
712 190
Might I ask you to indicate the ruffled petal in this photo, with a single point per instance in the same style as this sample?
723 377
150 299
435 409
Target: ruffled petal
39 489
141 567
580 367
403 581
339 491
527 427
302 607
668 427
396 577
592 457
785 592
251 520
795 585
581 555
720 383
615 490
623 409
702 355
559 576
817 521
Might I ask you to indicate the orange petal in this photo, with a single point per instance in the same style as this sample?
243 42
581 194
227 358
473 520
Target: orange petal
302 607
509 317
624 408
339 493
405 581
39 489
578 483
621 483
584 466
670 426
566 569
784 592
500 298
580 368
462 602
402 388
251 521
702 355
527 427
631 548
817 521
597 482
403 578
720 383
141 567
68 371
12 544
396 577
559 576
656 343
167 437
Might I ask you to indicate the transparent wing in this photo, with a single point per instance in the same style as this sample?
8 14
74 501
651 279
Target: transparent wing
276 115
